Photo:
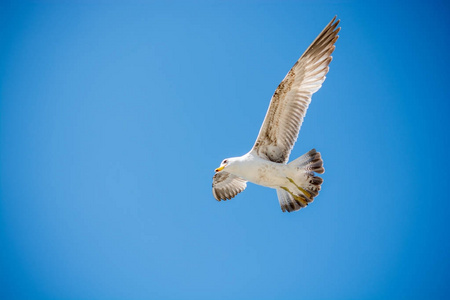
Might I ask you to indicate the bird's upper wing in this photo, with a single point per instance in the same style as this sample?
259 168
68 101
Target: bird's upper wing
226 186
290 101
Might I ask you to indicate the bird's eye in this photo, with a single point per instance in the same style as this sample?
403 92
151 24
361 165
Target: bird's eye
225 161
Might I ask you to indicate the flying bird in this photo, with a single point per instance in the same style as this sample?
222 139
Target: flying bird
266 164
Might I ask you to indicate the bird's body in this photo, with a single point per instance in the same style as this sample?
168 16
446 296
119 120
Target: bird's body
260 171
266 163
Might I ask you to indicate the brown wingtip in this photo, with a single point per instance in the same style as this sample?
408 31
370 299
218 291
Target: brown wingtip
335 23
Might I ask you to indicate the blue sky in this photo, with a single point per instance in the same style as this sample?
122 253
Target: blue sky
113 117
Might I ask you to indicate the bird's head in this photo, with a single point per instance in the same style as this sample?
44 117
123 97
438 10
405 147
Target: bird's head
225 164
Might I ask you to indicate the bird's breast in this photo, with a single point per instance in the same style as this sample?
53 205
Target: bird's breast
264 173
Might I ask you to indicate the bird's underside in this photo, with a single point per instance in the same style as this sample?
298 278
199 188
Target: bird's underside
296 182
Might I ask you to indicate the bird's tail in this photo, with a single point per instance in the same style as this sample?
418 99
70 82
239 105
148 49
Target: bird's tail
311 161
305 185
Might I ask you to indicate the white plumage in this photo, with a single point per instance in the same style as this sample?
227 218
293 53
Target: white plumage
265 164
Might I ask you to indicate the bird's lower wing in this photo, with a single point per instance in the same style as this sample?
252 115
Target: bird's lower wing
225 185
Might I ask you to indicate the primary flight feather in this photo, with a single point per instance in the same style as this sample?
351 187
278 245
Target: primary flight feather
266 163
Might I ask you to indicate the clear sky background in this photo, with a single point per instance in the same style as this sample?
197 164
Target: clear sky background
113 117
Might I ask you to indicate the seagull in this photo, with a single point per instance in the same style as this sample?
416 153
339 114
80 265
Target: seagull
266 164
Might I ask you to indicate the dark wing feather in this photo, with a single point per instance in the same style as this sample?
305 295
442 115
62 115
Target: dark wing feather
225 185
290 101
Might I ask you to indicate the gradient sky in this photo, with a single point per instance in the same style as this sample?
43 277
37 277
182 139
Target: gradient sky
113 117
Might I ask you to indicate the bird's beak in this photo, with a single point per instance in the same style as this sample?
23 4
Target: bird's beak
219 169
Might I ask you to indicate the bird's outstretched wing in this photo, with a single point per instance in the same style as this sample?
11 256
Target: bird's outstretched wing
290 101
225 185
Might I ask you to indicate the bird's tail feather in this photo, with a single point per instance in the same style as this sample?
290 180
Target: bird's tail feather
310 161
307 185
288 202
